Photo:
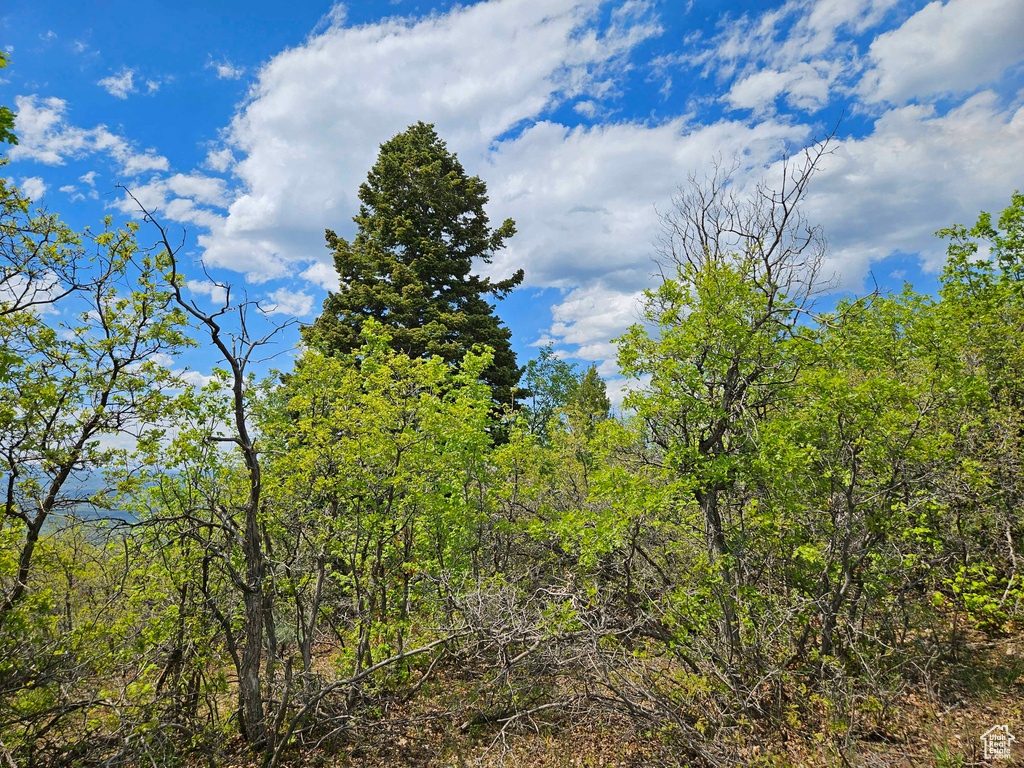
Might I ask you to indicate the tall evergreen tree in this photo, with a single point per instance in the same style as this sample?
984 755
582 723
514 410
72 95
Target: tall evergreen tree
421 225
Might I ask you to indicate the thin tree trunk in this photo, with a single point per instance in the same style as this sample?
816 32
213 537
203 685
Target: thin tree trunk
719 550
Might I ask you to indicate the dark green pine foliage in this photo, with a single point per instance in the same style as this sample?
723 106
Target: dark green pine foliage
421 225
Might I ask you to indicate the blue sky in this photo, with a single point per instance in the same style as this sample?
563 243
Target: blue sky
252 124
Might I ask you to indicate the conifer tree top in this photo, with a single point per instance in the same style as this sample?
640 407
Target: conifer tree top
421 224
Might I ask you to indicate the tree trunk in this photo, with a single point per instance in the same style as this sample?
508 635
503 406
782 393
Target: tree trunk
250 694
718 549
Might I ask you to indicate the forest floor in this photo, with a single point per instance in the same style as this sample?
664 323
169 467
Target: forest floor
937 724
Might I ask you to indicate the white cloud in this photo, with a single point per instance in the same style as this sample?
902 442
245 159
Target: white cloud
33 187
806 87
317 112
45 136
134 163
226 70
186 374
584 199
18 290
219 159
180 198
588 108
589 317
195 378
119 85
153 85
618 388
806 49
334 17
803 50
152 196
41 134
916 172
287 302
918 168
216 293
89 178
951 47
208 190
72 192
322 274
757 90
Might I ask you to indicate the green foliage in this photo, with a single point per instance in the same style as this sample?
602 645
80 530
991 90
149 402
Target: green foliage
375 460
93 374
720 353
983 314
421 227
591 396
553 390
6 116
86 325
549 384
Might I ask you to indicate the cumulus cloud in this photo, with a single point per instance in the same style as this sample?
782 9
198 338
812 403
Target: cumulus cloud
317 112
618 388
918 167
187 199
803 46
194 378
950 47
806 86
219 159
917 171
322 274
72 192
584 199
33 187
119 85
45 136
589 317
208 190
284 301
